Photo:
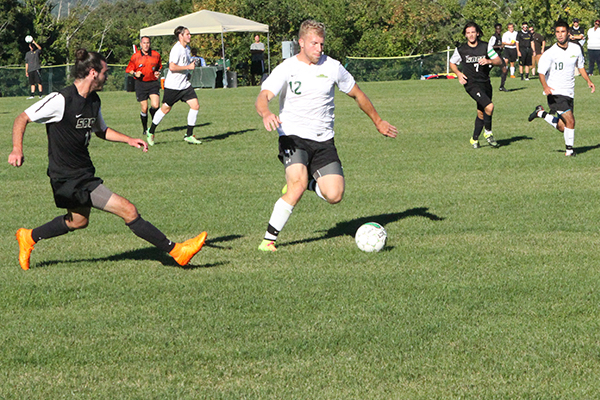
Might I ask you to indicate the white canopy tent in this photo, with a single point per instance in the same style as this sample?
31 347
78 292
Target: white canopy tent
206 21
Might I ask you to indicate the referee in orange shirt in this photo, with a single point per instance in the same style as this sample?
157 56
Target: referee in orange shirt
145 66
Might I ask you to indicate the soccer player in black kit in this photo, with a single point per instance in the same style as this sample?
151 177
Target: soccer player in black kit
477 62
525 50
71 115
496 43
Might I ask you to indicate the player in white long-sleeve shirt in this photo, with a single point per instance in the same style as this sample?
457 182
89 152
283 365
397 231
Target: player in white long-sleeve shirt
305 84
557 76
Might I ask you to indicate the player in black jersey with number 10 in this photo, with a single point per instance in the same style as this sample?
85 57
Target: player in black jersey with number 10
71 116
477 62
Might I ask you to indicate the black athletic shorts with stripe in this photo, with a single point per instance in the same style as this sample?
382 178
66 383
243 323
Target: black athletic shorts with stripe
315 155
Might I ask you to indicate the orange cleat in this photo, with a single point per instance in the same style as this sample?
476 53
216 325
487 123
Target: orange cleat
26 244
183 252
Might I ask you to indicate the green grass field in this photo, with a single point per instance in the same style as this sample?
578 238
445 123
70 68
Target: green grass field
487 288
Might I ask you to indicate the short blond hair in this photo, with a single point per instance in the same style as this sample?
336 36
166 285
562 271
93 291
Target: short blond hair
310 25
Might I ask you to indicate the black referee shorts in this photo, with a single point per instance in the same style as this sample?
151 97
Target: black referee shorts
143 90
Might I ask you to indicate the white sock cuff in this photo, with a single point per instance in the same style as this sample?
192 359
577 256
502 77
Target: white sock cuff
283 204
191 119
143 114
158 116
549 118
569 135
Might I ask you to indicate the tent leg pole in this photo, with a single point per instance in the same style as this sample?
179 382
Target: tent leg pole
224 65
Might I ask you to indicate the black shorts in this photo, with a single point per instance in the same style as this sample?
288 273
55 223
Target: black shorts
35 78
526 55
510 54
481 93
74 193
172 96
143 90
315 155
560 104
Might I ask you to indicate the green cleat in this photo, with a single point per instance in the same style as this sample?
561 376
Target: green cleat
192 140
475 143
149 138
267 245
490 139
284 190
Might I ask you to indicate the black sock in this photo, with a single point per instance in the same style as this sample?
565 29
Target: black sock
153 128
190 131
503 78
144 118
487 122
56 227
152 112
150 233
478 128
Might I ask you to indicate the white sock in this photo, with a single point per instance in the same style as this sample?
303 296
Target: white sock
551 119
569 137
279 217
487 134
158 116
192 114
312 185
512 70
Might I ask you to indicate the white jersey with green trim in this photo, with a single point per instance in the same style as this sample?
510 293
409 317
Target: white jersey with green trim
558 65
306 94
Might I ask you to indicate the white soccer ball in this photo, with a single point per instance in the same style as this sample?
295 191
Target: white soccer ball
29 38
370 237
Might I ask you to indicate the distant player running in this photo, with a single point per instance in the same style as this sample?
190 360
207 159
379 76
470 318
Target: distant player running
477 62
557 76
178 86
71 116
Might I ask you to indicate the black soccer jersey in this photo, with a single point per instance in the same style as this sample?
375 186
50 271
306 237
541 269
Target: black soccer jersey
524 39
498 43
70 120
469 57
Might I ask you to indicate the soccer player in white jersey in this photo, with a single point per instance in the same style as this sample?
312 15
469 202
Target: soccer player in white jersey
178 86
557 76
305 124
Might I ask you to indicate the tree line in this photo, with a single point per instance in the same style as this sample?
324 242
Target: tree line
363 28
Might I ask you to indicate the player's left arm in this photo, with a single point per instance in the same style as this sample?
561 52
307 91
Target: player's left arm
106 133
384 127
585 76
113 136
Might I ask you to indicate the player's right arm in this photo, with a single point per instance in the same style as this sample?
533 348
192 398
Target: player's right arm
270 120
454 61
16 158
48 110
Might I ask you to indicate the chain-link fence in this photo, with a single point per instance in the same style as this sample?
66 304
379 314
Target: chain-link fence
13 81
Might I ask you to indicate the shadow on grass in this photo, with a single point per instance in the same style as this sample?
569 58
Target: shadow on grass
584 149
506 142
182 128
516 89
225 135
148 253
350 227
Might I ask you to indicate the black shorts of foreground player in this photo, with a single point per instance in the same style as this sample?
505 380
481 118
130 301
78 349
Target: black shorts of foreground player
557 76
305 124
71 115
477 59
